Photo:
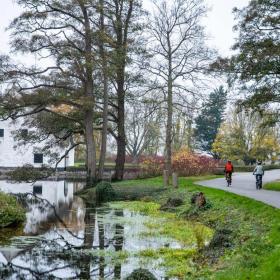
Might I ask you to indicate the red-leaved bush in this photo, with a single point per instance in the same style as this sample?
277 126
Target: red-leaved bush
187 163
184 162
152 166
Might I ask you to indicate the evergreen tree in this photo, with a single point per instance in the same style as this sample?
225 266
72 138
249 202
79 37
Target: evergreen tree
210 119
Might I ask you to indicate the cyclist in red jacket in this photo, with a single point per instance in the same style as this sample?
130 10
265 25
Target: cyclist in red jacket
228 172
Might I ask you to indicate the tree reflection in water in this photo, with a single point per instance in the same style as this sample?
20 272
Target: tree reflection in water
118 243
62 248
69 240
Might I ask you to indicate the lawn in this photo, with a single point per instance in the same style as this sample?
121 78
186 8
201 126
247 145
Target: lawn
272 186
252 250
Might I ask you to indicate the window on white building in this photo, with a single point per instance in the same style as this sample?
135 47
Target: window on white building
38 158
37 189
1 132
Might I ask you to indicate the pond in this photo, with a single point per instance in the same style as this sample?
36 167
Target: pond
63 238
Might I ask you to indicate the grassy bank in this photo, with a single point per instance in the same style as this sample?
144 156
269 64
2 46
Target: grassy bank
272 186
11 213
249 249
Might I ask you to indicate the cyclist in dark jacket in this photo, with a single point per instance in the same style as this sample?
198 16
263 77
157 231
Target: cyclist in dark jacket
259 172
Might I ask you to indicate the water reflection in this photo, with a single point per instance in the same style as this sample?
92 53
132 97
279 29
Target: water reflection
65 239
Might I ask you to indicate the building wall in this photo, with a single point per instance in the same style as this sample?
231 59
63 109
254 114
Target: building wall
16 157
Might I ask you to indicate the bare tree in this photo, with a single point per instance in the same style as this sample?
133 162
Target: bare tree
179 55
142 128
183 129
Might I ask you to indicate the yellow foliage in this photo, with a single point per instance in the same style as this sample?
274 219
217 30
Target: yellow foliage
242 137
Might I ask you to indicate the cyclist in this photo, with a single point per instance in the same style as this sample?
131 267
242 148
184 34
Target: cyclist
228 172
259 172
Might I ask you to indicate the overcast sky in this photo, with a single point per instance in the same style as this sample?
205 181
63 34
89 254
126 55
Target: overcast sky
219 22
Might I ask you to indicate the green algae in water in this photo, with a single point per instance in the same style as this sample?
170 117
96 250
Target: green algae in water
176 261
146 208
162 224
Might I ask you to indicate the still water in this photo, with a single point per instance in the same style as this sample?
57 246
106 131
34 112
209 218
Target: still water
63 238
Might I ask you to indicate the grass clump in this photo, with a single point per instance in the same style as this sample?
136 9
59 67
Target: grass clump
11 213
178 262
272 186
145 208
186 233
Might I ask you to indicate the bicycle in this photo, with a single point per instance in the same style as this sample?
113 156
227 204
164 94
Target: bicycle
228 179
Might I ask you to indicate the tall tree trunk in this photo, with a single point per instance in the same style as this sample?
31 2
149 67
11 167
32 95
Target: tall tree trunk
105 97
168 159
121 141
122 29
189 134
168 143
90 148
90 141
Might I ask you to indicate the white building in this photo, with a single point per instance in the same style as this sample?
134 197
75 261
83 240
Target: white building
12 155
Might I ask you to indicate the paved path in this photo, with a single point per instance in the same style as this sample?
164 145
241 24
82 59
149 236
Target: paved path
244 184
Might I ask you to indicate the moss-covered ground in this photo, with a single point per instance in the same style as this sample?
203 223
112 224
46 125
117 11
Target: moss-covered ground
272 186
11 213
192 236
247 243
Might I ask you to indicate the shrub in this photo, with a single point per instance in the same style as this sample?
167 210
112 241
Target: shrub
184 162
187 163
152 166
141 274
105 192
10 211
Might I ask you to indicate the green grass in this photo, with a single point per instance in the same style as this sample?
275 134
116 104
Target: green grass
272 186
254 226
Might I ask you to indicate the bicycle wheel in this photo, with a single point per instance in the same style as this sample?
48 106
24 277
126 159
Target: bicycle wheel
228 181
